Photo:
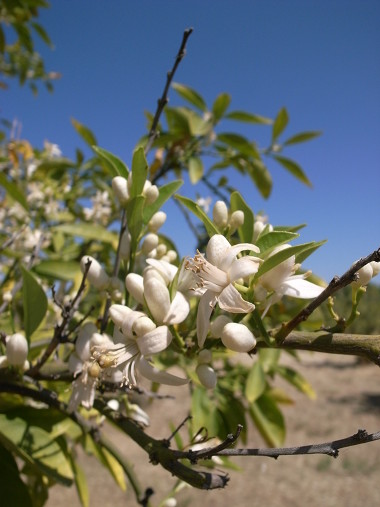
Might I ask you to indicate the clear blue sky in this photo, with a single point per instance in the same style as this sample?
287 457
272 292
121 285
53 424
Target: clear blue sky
320 59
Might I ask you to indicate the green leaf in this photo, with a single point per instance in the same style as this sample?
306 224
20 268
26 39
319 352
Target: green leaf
115 468
42 33
204 414
199 213
268 420
85 133
248 117
13 190
88 231
280 123
255 383
220 106
300 257
115 166
139 172
246 230
12 487
165 192
269 359
240 143
293 168
134 211
195 169
80 482
302 137
59 270
296 380
274 238
190 95
260 176
281 256
178 122
34 303
2 40
60 166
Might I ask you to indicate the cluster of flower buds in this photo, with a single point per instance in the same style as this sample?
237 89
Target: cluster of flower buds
366 273
122 186
223 219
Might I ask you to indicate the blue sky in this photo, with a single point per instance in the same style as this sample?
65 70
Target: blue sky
318 58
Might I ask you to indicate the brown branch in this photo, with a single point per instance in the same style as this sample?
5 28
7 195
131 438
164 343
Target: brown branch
164 98
336 284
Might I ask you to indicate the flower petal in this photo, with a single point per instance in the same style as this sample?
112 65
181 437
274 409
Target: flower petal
205 308
158 298
155 375
246 266
155 341
178 311
230 300
216 249
166 270
300 288
231 253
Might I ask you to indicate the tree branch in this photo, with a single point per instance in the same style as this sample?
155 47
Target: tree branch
336 284
164 98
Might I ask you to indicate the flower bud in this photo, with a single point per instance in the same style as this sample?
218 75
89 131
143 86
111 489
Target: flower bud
135 286
220 214
150 242
204 356
375 268
364 276
217 325
161 250
96 274
206 375
125 245
120 188
236 220
157 221
119 313
157 298
238 337
171 255
151 194
16 349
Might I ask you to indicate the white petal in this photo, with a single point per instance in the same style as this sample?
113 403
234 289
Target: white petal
230 300
178 311
135 286
155 341
155 375
157 298
166 270
205 308
246 266
231 253
216 249
300 288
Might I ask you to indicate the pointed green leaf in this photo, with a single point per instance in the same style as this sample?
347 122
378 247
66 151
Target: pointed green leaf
199 213
88 231
300 257
274 238
256 383
268 420
34 303
302 137
139 172
239 143
59 270
80 482
115 468
280 123
281 256
246 230
178 122
248 117
195 169
190 95
260 176
220 106
42 33
85 133
294 169
269 359
134 211
13 190
296 380
165 192
115 166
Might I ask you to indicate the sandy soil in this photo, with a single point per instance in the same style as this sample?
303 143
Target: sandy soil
348 398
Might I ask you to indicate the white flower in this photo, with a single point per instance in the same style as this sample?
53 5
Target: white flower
142 339
216 273
282 282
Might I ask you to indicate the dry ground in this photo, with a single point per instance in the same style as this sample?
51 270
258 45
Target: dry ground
348 398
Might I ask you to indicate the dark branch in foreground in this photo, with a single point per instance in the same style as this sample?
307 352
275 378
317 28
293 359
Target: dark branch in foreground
336 284
164 98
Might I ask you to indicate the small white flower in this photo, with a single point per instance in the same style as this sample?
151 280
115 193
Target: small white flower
215 275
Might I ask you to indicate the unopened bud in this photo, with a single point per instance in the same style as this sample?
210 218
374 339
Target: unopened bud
364 276
157 221
135 286
143 325
217 325
238 337
150 242
125 245
206 375
96 275
236 220
16 349
120 188
220 214
205 356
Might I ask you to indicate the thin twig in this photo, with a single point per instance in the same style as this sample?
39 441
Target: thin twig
336 284
164 98
187 418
